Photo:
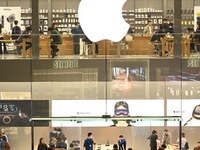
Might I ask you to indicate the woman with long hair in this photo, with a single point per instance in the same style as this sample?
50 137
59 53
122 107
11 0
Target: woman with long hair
42 145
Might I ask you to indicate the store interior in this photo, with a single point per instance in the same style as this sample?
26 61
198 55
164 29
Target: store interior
78 94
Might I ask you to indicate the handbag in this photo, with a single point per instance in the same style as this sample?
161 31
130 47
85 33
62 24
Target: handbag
186 145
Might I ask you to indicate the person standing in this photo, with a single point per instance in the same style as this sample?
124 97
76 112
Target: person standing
89 142
122 142
16 32
76 31
183 141
42 145
2 33
166 137
153 140
148 29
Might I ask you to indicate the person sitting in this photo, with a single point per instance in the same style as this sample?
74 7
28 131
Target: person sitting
26 34
156 38
55 40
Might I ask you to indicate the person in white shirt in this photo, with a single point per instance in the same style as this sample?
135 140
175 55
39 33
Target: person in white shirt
2 33
183 141
148 29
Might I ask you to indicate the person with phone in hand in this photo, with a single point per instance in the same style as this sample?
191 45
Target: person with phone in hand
89 142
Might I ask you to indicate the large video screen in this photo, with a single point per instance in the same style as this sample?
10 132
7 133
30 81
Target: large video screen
18 112
114 108
128 82
189 109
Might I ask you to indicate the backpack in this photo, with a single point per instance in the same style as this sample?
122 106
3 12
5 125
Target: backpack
186 145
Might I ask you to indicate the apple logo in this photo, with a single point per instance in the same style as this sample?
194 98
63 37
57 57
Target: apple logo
102 19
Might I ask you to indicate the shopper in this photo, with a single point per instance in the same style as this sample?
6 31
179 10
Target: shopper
56 40
16 32
42 145
148 29
89 142
183 141
62 140
54 26
53 134
166 137
76 31
197 37
115 147
197 147
162 147
53 142
2 33
122 142
153 140
4 145
27 35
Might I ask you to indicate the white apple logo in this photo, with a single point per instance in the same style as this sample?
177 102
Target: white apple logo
102 19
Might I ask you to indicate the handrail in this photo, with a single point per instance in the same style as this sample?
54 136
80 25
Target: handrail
108 117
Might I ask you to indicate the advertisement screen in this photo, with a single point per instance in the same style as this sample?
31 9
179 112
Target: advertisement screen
18 112
114 108
128 82
8 16
189 109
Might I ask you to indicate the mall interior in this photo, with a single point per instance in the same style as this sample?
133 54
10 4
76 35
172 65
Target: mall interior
130 87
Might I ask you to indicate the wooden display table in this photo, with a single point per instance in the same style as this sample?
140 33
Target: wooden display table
140 45
66 48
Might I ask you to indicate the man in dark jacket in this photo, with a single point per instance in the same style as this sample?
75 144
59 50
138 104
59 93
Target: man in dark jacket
153 140
77 34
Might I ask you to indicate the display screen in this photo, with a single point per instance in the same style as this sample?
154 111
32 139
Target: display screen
189 109
114 108
128 82
8 108
18 112
172 74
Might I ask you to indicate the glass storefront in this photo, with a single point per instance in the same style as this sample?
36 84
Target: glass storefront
128 88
